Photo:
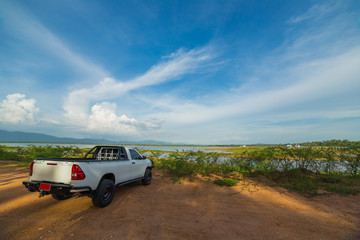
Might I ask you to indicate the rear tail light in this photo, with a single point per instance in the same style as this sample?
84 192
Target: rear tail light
31 169
77 173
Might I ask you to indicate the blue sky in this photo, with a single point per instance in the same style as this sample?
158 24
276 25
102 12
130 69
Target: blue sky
199 72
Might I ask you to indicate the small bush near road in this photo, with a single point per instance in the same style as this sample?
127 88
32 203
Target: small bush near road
226 182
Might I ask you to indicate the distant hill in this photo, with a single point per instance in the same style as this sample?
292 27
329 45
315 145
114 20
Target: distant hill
25 137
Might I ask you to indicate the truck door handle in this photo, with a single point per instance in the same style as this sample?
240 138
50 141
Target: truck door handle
133 162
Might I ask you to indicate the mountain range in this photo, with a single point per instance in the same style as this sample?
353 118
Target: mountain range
26 137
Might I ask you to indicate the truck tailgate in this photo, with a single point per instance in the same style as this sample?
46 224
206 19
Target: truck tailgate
52 171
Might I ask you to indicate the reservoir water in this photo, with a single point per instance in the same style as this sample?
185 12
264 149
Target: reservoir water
141 147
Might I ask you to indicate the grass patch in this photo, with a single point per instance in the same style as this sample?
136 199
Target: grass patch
208 180
177 180
330 179
226 182
305 186
341 190
309 183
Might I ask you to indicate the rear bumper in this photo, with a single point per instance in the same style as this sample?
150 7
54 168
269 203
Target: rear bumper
61 189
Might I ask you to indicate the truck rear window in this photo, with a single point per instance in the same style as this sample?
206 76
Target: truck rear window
111 154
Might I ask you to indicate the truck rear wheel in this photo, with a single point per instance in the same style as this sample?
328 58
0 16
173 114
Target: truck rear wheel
104 194
61 196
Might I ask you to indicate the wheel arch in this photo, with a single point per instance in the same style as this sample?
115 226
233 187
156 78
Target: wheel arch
109 176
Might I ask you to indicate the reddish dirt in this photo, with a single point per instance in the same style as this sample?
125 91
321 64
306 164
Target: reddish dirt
167 210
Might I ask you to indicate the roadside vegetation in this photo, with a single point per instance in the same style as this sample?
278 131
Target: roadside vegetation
310 168
307 169
25 155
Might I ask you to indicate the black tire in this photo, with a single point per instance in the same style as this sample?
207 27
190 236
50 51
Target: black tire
61 196
104 194
147 177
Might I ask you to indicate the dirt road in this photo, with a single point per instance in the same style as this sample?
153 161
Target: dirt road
164 210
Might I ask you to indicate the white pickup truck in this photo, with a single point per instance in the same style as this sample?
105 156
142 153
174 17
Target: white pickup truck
95 175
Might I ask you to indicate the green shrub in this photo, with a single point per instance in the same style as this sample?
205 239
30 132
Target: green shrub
177 180
52 152
304 185
28 154
8 155
226 182
330 179
276 163
342 190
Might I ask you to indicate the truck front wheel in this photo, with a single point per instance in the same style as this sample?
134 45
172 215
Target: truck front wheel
104 194
147 177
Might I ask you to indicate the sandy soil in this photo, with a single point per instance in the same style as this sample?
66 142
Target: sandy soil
164 210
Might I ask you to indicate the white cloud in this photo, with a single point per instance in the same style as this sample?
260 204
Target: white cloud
104 119
17 109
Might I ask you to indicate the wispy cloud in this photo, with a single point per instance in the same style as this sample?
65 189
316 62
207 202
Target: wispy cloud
314 13
77 104
324 78
324 30
292 85
30 31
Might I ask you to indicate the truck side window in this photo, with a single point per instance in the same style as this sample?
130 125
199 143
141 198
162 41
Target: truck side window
134 154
